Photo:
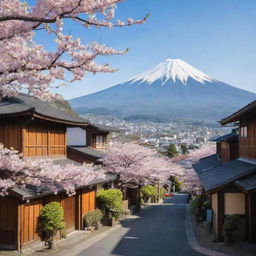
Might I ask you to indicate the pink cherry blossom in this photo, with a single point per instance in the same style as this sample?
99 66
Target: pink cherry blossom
136 165
27 65
44 174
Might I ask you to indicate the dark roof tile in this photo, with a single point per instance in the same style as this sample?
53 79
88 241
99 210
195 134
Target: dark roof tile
223 174
23 103
248 183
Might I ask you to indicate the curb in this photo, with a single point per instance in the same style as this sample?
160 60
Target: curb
192 239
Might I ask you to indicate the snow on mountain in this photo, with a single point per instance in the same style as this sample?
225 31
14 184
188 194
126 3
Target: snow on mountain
172 89
172 69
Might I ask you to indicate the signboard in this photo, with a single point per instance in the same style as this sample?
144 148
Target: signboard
209 216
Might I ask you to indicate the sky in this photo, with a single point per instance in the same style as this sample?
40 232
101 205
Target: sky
216 36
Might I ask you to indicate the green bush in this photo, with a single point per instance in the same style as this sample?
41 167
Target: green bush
51 220
92 217
162 192
110 202
199 207
148 191
177 184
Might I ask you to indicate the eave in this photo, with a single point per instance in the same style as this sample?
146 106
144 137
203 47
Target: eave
237 115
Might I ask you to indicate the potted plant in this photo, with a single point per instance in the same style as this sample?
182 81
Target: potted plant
231 225
93 218
51 221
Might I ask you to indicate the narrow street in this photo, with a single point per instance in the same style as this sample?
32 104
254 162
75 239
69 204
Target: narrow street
160 231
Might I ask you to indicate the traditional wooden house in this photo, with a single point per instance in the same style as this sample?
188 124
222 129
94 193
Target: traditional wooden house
230 182
89 142
227 146
38 129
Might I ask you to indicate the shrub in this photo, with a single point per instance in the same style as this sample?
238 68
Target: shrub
51 220
231 222
231 225
148 191
199 207
162 192
110 202
177 184
92 217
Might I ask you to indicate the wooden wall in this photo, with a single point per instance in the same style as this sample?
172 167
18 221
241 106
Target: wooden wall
228 150
43 140
29 214
225 153
70 213
10 135
88 201
19 220
8 222
247 146
251 220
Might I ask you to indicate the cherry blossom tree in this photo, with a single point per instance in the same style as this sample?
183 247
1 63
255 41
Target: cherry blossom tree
26 65
188 176
136 165
42 174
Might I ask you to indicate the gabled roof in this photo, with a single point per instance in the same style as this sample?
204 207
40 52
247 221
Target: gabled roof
28 105
215 177
238 114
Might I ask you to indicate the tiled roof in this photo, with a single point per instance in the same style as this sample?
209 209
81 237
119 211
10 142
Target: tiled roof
207 163
26 103
214 177
247 183
89 151
105 128
226 137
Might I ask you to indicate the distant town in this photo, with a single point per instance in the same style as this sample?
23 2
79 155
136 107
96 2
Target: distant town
161 135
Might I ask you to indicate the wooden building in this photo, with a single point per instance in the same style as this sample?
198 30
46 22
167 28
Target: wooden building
89 143
229 176
38 129
227 146
19 212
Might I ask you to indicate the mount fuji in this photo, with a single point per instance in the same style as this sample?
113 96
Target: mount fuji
172 89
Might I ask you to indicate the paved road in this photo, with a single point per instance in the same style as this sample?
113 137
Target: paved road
159 232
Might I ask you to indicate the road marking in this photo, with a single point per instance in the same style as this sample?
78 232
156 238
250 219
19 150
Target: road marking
130 237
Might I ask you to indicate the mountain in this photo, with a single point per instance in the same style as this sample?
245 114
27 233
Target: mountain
172 89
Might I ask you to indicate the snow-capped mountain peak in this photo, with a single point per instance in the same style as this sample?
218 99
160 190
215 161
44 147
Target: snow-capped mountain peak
172 69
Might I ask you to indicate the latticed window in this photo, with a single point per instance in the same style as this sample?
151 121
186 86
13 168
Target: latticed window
243 132
100 141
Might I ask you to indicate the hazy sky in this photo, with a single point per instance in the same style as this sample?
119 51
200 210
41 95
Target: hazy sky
216 36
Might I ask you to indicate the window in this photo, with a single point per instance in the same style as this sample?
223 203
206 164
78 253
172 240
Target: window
243 132
100 141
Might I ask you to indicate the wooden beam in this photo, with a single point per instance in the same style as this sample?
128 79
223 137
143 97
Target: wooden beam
221 209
